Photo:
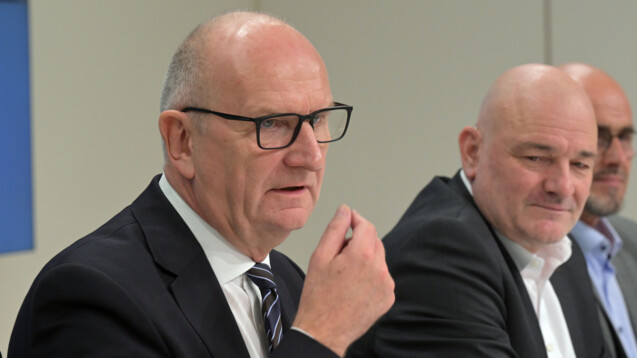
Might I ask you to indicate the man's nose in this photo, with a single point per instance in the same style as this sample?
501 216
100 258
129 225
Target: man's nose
560 180
306 150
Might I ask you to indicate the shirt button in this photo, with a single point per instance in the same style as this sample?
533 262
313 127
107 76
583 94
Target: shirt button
549 348
620 329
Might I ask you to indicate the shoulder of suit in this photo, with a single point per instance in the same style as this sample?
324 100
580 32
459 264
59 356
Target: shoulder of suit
621 222
627 230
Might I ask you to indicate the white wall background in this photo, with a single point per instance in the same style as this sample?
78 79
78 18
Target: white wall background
415 72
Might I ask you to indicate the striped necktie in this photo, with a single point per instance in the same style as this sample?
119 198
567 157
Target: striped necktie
261 275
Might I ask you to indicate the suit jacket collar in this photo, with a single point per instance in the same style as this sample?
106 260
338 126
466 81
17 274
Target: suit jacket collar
188 276
573 287
457 185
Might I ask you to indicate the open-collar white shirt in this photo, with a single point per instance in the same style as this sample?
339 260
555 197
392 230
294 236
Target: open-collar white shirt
536 270
229 266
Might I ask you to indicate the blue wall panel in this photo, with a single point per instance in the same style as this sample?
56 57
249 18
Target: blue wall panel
16 219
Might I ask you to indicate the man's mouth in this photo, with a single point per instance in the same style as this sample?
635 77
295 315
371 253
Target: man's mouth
609 178
553 207
292 188
614 174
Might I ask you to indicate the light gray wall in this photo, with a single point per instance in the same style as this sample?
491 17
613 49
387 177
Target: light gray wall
415 72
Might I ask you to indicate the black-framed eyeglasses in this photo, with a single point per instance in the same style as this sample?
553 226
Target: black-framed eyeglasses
277 131
625 137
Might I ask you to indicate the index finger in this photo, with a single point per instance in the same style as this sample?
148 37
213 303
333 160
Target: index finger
333 238
363 231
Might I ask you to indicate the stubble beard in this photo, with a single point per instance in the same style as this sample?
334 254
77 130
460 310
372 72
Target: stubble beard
603 205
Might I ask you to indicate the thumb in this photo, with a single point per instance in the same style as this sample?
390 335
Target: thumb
333 238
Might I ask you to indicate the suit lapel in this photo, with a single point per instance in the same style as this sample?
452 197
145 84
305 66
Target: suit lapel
536 340
533 324
188 274
561 285
575 293
203 303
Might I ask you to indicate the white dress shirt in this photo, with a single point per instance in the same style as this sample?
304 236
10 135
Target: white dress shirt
536 270
229 266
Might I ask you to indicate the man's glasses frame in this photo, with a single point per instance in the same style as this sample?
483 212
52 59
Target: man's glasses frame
302 118
625 137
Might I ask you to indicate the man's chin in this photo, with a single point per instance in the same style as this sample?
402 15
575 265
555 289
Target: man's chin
291 219
551 232
602 206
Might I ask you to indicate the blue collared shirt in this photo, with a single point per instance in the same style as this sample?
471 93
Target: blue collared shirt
599 251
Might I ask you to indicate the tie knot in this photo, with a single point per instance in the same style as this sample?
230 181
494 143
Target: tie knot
262 276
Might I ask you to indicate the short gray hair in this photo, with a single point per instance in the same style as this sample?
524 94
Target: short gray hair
182 86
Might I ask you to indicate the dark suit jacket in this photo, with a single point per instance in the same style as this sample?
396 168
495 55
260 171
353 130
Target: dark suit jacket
459 293
141 286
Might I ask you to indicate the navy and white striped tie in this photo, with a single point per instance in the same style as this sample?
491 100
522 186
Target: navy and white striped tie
262 276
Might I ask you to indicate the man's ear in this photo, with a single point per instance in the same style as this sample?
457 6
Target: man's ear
176 130
469 140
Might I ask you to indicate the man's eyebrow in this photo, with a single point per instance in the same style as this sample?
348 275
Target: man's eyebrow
536 146
587 154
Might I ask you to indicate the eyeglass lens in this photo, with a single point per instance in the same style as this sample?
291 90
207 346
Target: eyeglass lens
329 125
605 140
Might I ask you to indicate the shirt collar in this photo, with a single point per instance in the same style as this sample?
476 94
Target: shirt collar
466 181
519 254
226 261
541 264
594 242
